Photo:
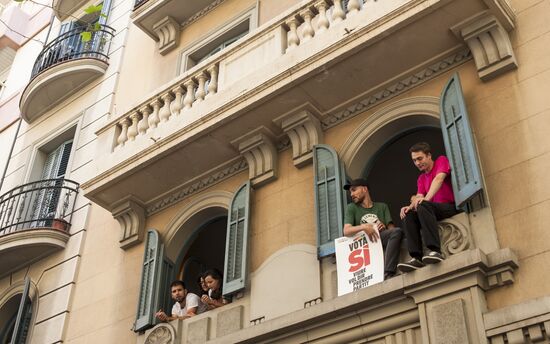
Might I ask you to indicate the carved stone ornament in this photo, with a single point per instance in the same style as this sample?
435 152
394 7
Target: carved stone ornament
304 131
489 43
168 33
260 153
455 237
130 215
161 334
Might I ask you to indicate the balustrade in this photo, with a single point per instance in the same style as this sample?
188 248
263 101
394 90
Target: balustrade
308 21
46 203
172 102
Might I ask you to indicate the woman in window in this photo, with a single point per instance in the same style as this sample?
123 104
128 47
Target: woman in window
214 299
202 285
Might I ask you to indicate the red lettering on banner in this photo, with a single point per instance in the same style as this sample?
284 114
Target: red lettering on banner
359 258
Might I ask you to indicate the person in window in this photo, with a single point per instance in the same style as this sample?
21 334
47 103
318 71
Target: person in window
434 201
202 285
186 306
375 220
214 299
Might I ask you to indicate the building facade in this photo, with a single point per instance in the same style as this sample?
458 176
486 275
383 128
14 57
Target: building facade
148 140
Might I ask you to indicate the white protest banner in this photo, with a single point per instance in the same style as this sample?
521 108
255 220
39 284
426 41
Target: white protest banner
359 262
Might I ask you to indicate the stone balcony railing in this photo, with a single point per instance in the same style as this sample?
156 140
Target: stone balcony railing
305 23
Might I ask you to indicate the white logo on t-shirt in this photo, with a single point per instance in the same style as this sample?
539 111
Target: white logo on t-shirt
369 218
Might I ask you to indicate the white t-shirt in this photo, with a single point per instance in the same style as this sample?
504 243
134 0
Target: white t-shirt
191 301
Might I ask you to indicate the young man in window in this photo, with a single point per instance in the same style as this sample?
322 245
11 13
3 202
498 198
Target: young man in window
365 215
433 201
186 306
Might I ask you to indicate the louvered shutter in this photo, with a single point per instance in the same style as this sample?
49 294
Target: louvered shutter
459 143
166 277
150 281
236 244
329 198
24 316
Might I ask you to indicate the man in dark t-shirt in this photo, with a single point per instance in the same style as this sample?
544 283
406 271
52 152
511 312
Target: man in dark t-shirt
365 215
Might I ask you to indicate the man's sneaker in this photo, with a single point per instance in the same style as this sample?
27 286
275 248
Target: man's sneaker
432 257
409 266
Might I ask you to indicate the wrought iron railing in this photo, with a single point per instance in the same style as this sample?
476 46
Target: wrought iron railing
70 46
139 3
46 203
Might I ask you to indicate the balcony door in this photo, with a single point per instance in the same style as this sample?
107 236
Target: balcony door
48 197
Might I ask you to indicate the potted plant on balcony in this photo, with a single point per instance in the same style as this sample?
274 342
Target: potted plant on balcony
60 224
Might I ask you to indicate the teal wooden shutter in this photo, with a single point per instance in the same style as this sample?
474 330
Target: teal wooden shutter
329 198
459 143
236 244
149 289
166 277
24 316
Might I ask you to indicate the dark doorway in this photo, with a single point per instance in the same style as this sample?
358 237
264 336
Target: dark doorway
206 251
391 173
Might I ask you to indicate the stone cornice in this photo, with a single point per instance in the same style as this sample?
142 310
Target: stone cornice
397 88
201 13
200 183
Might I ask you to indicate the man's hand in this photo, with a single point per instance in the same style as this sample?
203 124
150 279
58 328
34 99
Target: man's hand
161 315
370 231
404 211
416 201
380 226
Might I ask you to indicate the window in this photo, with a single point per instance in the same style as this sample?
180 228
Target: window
217 41
16 316
158 271
458 146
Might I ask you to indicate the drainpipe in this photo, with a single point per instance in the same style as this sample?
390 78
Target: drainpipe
11 151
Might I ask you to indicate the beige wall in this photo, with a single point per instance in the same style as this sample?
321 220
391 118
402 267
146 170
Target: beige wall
269 9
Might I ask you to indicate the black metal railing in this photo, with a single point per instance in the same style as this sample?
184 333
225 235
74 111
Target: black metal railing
46 203
139 3
71 45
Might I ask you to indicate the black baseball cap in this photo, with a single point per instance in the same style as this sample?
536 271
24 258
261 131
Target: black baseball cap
356 182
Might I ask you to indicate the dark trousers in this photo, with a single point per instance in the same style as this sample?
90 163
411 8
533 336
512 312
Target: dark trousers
421 226
391 242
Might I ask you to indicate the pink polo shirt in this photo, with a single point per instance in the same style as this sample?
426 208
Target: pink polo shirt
445 193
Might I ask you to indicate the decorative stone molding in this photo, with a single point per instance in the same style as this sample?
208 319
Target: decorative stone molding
455 236
130 215
202 12
260 153
168 32
527 322
304 131
397 88
489 43
198 184
161 334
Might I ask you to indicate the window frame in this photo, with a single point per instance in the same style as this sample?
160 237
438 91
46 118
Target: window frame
220 34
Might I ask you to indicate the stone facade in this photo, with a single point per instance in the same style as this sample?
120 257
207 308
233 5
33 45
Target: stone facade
165 137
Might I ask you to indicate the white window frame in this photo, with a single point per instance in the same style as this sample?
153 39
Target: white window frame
220 35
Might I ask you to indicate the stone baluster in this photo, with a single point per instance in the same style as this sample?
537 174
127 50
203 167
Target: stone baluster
338 13
201 91
307 31
154 117
164 113
123 137
322 19
353 7
133 129
292 36
189 93
177 104
143 125
213 84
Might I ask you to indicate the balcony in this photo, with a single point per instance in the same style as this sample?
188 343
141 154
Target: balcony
62 68
317 58
35 220
64 8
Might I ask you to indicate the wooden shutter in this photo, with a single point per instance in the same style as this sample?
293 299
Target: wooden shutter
236 244
24 316
149 289
459 143
329 198
166 276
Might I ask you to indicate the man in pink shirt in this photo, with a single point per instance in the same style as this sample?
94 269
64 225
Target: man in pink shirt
433 201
